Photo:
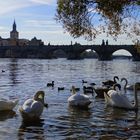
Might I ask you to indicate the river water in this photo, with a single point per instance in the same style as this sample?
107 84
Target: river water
23 77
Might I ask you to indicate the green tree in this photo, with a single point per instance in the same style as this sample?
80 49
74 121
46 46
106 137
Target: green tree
90 18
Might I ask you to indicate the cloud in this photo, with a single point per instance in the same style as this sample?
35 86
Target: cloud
43 1
2 28
8 6
47 24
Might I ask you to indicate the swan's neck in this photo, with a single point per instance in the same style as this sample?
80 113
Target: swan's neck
73 91
40 98
125 85
115 79
126 82
135 98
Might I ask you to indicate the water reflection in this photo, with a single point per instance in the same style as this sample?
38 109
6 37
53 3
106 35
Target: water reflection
13 67
61 122
31 130
125 121
79 113
114 113
72 125
4 115
79 122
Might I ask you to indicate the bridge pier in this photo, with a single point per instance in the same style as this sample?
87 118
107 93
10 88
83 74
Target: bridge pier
104 53
136 57
104 57
74 53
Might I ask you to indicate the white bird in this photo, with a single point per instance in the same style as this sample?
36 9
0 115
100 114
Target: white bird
78 100
6 104
117 99
33 108
129 87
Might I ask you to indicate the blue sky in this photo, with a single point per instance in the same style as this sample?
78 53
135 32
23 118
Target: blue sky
36 18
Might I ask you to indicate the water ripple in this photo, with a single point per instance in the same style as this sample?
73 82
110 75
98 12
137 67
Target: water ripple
23 77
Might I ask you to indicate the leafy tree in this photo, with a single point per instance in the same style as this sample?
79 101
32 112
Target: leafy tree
89 18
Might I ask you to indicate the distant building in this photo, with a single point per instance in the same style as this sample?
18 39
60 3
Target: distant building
4 42
35 42
15 41
23 42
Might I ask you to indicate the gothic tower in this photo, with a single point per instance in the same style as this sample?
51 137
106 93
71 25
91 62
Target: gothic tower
14 33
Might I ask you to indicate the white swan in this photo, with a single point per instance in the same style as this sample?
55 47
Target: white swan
78 100
6 104
129 87
117 99
33 108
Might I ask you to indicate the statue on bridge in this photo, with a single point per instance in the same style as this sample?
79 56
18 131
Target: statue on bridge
103 43
137 46
106 42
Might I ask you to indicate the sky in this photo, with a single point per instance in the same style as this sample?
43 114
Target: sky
35 18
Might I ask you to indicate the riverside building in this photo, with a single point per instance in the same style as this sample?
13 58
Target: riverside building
14 39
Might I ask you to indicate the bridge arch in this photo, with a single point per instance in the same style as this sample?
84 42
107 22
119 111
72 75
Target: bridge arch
122 53
89 53
59 53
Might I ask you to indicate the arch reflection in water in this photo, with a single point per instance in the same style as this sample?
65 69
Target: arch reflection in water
31 130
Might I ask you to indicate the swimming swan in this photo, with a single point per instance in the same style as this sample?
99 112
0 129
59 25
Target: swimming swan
100 91
33 108
78 100
117 99
130 87
6 104
110 82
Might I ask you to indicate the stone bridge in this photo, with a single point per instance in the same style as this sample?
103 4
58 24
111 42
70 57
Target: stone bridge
104 52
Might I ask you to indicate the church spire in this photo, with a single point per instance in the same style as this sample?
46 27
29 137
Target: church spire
14 26
14 34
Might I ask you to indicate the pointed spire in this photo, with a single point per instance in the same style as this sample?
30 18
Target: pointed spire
14 26
14 22
14 33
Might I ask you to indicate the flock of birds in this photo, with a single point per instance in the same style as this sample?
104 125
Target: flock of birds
111 91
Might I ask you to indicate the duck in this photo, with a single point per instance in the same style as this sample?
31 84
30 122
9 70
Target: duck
50 84
33 108
60 88
76 89
110 83
117 99
99 91
88 89
92 84
2 70
7 104
78 100
83 81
